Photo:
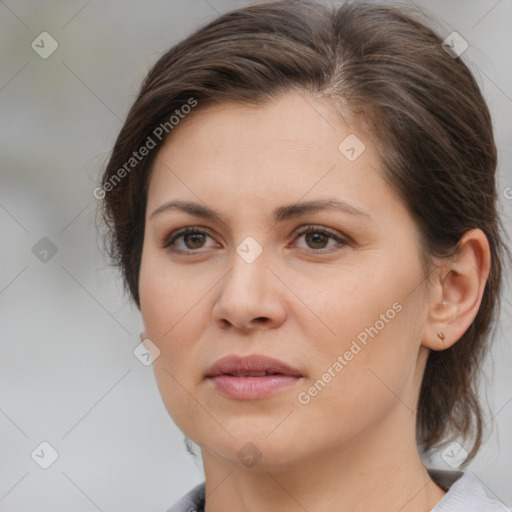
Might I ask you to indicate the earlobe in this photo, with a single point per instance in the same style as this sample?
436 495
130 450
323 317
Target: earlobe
462 282
440 338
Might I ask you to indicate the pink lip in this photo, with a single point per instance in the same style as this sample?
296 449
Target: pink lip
240 377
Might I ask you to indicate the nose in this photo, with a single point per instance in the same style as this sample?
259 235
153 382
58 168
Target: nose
250 297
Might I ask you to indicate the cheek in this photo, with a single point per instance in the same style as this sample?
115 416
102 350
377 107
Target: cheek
378 363
342 303
368 353
167 298
175 311
171 307
356 385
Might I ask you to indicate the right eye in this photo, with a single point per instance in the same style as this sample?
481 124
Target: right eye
192 238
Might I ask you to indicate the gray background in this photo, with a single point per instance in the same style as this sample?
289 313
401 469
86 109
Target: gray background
68 374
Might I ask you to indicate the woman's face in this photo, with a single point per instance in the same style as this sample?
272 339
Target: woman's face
345 305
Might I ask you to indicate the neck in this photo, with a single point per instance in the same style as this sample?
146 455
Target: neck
377 471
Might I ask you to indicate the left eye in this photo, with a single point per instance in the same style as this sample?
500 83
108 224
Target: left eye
316 238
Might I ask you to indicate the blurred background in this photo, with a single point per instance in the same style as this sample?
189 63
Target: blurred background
81 420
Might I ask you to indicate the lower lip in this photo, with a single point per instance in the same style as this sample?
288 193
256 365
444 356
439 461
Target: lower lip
251 388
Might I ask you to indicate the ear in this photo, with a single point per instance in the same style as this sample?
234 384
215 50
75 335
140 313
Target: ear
457 296
143 335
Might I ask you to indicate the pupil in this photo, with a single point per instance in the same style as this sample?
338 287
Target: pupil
194 239
318 236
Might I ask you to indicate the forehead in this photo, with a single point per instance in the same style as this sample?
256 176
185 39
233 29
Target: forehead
293 121
281 151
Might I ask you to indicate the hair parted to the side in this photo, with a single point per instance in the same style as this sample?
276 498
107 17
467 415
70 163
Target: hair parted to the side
382 68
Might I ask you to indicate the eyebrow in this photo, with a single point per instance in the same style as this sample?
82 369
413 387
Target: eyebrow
280 213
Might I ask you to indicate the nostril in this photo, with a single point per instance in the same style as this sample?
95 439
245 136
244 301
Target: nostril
255 321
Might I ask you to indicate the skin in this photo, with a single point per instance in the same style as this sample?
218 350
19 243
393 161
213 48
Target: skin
303 301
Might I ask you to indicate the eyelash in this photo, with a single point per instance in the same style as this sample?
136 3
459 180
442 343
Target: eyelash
170 240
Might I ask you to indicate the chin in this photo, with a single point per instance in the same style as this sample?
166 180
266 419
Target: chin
255 450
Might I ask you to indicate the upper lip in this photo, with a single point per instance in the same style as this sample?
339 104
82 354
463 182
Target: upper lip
251 365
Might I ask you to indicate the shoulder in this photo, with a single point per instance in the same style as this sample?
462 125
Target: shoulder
193 501
464 493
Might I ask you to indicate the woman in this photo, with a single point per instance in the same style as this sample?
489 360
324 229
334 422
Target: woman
302 201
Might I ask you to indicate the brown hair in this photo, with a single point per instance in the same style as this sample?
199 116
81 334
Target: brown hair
383 68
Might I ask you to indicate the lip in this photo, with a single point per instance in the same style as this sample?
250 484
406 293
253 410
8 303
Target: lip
251 377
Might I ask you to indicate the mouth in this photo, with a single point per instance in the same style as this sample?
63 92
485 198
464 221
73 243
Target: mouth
251 377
